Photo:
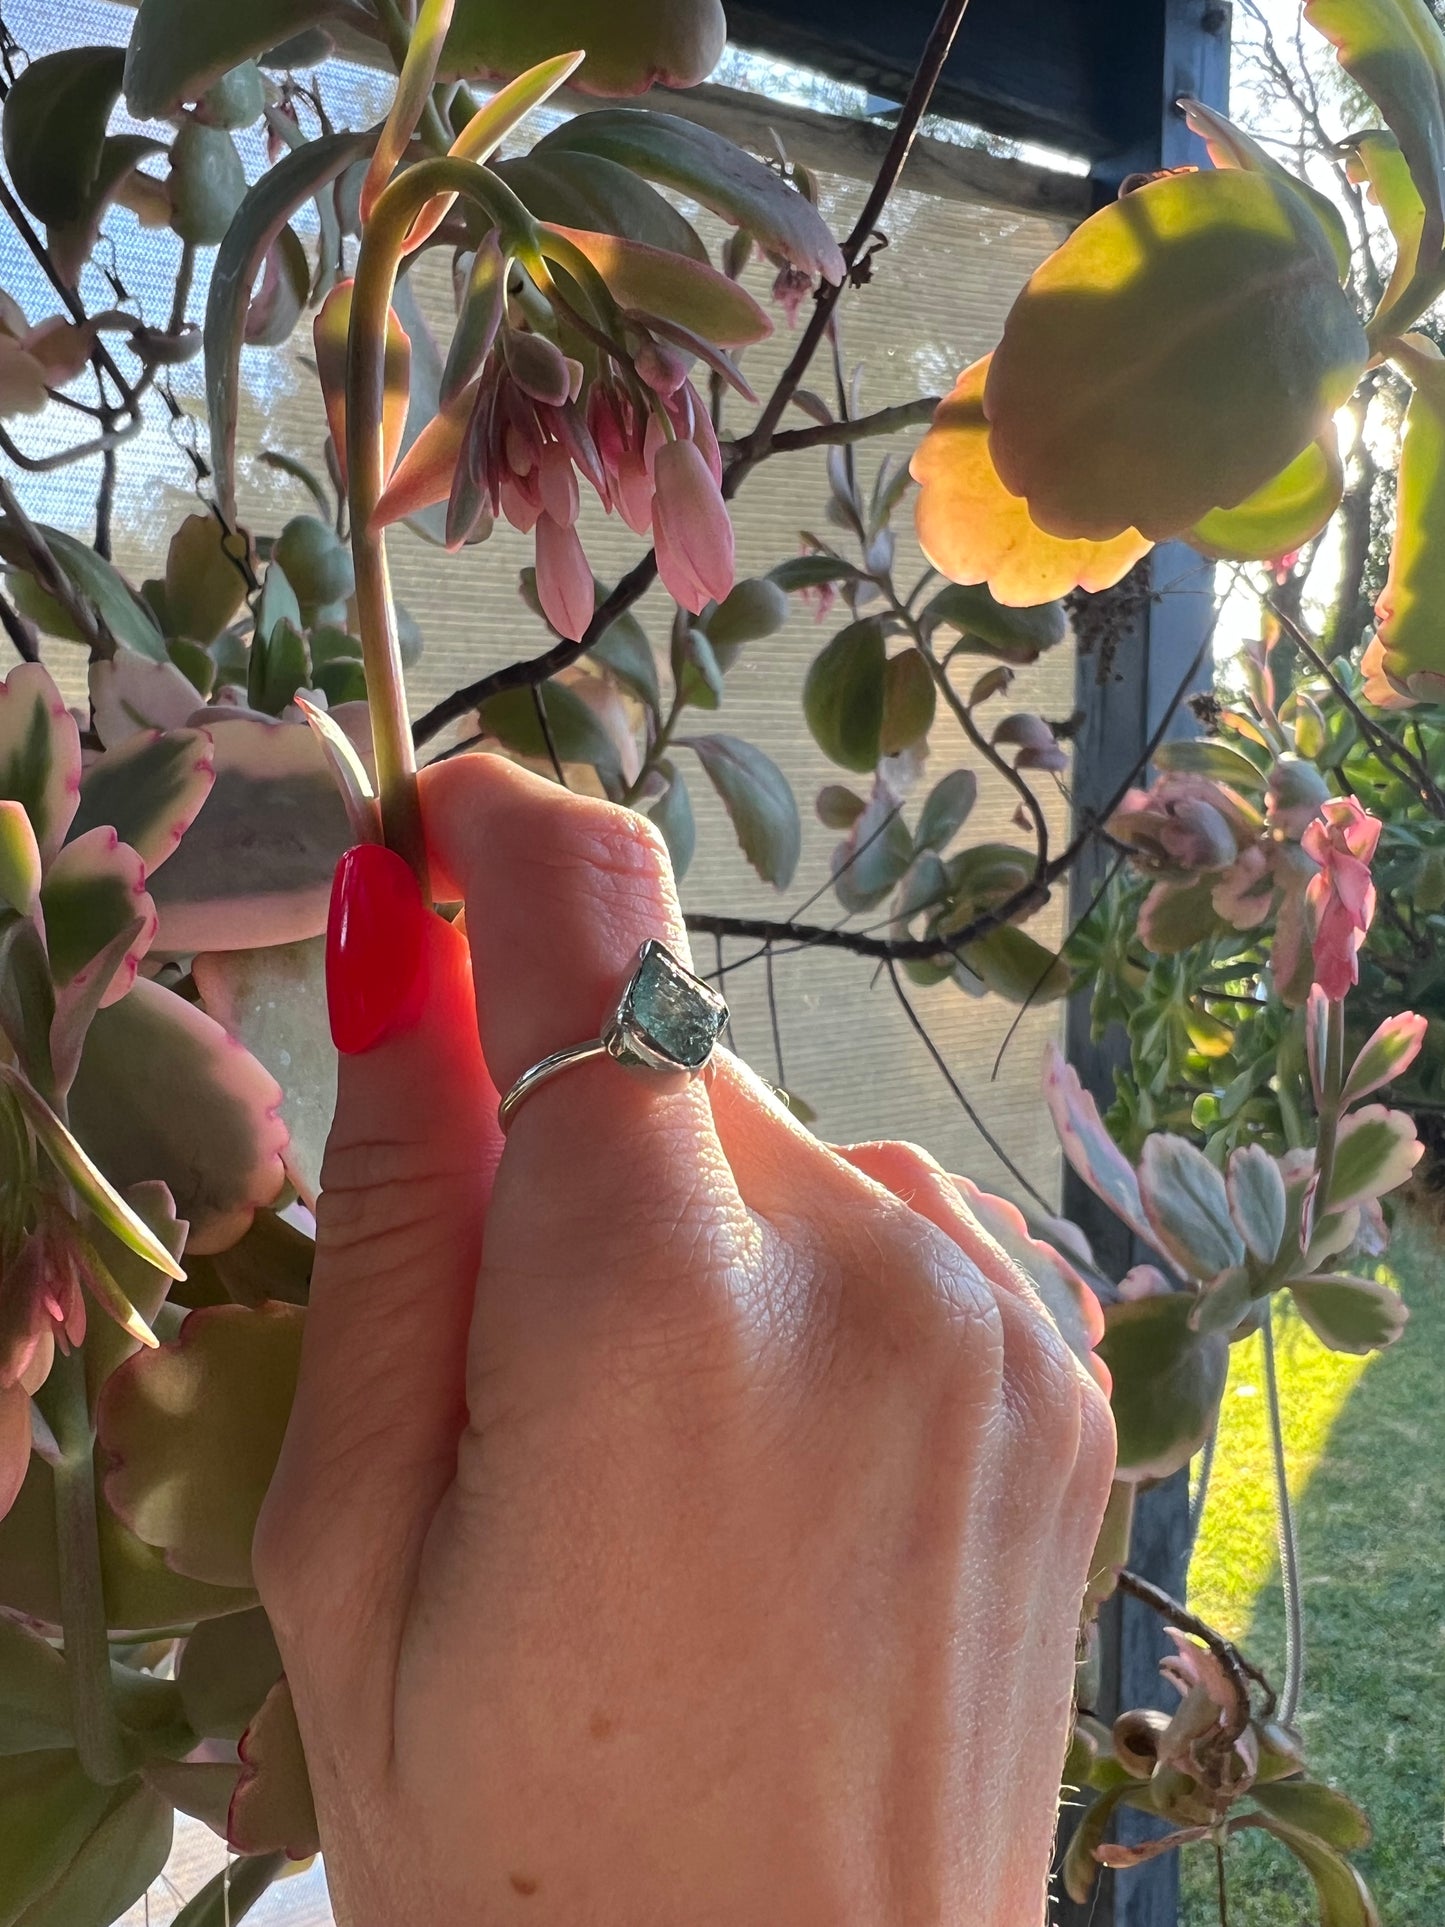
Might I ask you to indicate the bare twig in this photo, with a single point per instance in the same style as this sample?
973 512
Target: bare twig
1240 1670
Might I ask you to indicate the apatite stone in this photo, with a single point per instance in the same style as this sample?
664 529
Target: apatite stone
669 1013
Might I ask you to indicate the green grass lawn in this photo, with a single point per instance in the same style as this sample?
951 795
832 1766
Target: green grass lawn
1367 1452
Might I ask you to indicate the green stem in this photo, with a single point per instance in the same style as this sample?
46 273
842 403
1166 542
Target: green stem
376 269
233 1892
1289 1566
660 743
1332 1080
63 1401
432 128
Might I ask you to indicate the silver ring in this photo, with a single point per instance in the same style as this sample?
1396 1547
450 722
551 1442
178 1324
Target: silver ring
666 1021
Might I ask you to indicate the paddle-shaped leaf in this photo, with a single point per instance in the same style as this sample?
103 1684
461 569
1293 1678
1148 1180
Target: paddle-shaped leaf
1350 1314
843 695
1179 349
1411 610
177 48
1317 1809
1375 159
54 128
267 208
974 531
76 1854
1287 512
1343 1898
119 609
255 867
1167 1382
629 47
272 1809
1230 146
193 1430
1088 1146
1257 1200
149 790
1187 1205
205 582
988 627
162 1092
1015 966
588 191
33 1687
711 170
946 810
92 893
20 868
1376 1151
1388 1054
1394 50
673 286
759 801
129 693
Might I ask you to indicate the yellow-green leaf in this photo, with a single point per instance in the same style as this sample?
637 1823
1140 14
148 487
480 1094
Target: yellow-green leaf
1376 162
1287 512
1411 610
1182 346
670 285
1230 146
630 43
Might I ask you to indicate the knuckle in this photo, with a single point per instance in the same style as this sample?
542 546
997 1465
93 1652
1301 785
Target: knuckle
1044 1389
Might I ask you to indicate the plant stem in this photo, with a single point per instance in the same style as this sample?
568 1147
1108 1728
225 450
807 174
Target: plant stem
1173 1613
52 578
236 1888
66 1409
1332 1075
1294 1630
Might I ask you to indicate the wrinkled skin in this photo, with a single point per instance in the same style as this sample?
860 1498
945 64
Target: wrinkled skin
680 1521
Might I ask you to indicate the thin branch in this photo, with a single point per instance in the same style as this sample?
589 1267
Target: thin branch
544 723
52 577
886 421
18 630
1239 1669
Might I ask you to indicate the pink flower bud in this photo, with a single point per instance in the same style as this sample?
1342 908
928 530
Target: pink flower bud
538 367
565 587
558 484
691 529
1342 840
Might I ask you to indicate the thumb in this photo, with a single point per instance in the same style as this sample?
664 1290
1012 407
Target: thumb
380 1401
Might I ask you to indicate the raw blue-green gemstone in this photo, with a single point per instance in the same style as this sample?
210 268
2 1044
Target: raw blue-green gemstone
671 1012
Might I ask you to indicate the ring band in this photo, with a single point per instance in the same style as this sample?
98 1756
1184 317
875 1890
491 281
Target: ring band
666 1021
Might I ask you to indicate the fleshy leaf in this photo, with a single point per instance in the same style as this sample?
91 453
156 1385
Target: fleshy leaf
175 26
149 790
1317 1809
430 21
1393 49
129 693
1168 1381
591 192
353 779
55 118
945 810
272 1809
162 1092
33 1689
1344 1899
1180 348
875 854
1286 513
671 285
973 530
1230 146
1176 916
285 288
20 868
96 1192
1376 159
94 890
991 628
910 699
39 753
1016 967
759 801
329 335
227 1668
1388 1054
118 607
1087 1145
1411 608
477 323
1187 1205
843 695
1350 1314
75 1853
1376 1151
710 170
178 49
1257 1200
256 865
273 1001
1204 757
205 585
1081 1869
193 1432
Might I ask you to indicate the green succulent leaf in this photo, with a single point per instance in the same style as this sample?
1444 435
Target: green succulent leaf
1203 757
267 208
709 169
93 892
578 732
1375 1152
1376 161
1387 1054
1168 1380
54 128
674 287
192 1432
988 627
178 50
1315 1809
811 572
588 191
875 854
1257 1200
148 791
1393 49
1344 1899
672 813
117 1862
1187 1205
20 867
1016 967
39 753
946 809
624 649
843 695
1081 1869
910 698
76 1854
1411 611
118 607
227 1668
34 1692
1230 146
759 802
27 1001
1287 512
130 692
204 581
1179 349
1347 1314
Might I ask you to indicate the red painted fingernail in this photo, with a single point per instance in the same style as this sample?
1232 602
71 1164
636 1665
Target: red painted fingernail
375 943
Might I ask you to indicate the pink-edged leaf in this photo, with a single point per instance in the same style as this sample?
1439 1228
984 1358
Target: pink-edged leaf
94 890
1350 1314
1187 1206
1087 1145
1388 1054
20 867
256 865
149 790
425 473
1069 1301
1376 1151
1168 1381
1257 1200
129 693
77 1002
1116 1855
39 753
192 1433
329 335
1222 1304
674 286
163 1092
1176 916
227 1667
273 1810
274 1002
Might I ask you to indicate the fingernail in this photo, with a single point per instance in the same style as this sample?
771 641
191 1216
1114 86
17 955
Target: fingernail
375 942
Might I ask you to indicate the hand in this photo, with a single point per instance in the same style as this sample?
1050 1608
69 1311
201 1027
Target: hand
681 1524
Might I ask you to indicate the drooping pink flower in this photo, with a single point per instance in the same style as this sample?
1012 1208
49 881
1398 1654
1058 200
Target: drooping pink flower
690 527
564 578
791 290
1342 841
